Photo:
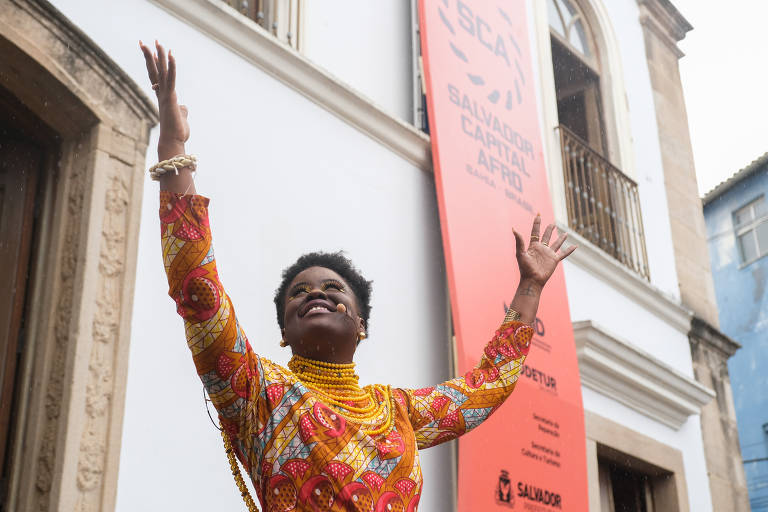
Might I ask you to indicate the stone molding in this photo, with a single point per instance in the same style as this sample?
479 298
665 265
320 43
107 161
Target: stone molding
710 350
705 334
618 370
66 446
257 46
663 18
120 91
595 261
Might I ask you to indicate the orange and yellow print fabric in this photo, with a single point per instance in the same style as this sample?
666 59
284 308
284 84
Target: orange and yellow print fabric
299 453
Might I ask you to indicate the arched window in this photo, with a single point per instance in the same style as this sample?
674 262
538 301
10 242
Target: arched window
602 202
577 73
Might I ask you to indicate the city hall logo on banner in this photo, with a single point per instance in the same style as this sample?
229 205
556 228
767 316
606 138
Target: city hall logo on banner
503 492
497 40
531 494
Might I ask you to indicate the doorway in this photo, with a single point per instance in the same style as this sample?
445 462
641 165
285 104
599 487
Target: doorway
25 147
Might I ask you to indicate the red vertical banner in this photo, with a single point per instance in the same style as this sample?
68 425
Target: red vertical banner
490 176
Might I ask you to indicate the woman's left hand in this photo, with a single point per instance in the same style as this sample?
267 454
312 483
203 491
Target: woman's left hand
174 127
538 262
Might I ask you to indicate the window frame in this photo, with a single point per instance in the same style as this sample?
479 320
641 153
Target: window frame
616 113
750 226
284 20
605 144
593 60
662 463
601 115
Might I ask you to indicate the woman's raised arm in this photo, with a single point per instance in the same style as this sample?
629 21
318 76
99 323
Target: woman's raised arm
174 128
451 409
225 362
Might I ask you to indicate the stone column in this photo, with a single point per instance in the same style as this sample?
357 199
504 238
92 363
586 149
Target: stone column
710 350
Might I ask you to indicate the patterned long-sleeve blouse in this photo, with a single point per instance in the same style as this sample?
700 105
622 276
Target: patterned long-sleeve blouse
298 453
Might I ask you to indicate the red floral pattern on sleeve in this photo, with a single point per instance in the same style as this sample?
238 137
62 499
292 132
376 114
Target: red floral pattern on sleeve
446 411
220 350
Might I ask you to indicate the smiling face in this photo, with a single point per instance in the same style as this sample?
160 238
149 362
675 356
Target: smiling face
314 327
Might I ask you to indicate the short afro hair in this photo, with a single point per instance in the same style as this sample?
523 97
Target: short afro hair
337 262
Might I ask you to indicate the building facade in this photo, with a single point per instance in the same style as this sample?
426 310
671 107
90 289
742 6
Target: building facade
710 347
299 108
736 212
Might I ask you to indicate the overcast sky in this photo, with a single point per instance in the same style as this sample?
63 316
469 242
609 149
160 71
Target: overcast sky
725 79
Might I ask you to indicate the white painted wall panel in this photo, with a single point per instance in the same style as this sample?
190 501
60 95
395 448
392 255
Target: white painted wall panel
367 45
625 17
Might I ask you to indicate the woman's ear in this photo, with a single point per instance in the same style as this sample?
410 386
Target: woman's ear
362 330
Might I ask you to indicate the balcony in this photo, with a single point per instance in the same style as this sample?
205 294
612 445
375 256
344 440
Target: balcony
279 17
603 204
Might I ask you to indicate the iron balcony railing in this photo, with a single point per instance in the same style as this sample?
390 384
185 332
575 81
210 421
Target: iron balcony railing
280 17
603 204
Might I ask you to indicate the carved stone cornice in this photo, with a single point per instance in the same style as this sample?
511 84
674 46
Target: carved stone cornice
635 378
663 18
41 17
704 334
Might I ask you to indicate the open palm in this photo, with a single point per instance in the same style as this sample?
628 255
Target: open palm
161 69
539 261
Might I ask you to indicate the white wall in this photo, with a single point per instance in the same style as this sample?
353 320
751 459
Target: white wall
625 16
367 45
285 177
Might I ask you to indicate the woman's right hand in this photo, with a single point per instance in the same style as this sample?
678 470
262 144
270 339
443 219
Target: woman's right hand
174 128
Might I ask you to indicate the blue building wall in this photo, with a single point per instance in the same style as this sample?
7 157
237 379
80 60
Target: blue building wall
742 298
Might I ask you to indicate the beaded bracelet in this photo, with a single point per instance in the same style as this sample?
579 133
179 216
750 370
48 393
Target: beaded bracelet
173 164
511 316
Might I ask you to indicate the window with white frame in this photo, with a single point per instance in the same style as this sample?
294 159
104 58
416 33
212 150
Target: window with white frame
750 223
282 18
603 203
577 74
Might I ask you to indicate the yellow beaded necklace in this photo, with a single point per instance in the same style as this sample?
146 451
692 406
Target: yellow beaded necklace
337 386
246 495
